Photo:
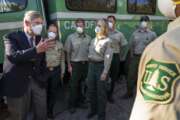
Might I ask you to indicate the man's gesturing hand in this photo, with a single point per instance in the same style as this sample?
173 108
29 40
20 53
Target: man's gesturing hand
43 46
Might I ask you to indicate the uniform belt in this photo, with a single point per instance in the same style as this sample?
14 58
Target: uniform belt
116 54
53 68
96 62
137 54
80 62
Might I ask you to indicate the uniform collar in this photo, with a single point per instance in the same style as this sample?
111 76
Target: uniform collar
143 30
114 31
101 38
174 24
83 35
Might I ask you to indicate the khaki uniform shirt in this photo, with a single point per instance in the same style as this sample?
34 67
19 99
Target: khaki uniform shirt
158 89
118 41
77 47
101 50
140 39
172 25
55 57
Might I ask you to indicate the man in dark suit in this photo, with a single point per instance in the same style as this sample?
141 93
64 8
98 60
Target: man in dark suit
24 78
3 106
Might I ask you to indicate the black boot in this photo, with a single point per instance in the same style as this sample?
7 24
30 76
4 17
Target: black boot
50 115
91 115
72 110
127 95
4 113
111 99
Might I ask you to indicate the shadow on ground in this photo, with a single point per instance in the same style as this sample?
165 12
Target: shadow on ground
120 110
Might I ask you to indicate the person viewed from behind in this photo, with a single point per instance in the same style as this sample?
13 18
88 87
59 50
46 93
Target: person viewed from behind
158 89
100 57
138 42
24 79
55 60
77 49
118 41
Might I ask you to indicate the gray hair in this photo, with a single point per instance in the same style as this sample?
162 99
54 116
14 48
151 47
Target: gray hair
31 15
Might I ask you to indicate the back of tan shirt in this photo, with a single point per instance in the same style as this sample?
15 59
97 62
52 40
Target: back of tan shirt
158 89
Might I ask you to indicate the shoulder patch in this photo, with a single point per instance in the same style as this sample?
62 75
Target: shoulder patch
157 84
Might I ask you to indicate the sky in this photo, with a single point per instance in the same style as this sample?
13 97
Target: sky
139 1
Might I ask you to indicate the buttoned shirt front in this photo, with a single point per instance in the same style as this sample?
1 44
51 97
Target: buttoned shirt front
140 39
55 57
118 40
101 50
77 46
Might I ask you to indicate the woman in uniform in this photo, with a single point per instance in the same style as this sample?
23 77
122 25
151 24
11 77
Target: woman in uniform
100 56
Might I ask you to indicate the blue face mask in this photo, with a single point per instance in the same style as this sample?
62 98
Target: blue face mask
80 30
51 35
144 24
97 29
110 25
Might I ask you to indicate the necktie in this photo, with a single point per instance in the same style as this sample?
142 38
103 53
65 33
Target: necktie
31 42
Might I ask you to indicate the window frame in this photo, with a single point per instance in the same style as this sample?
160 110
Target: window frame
26 4
103 11
141 13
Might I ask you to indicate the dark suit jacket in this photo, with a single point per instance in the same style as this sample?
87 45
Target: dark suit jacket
21 63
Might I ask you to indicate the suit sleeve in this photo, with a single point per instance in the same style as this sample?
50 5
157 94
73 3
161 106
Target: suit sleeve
14 54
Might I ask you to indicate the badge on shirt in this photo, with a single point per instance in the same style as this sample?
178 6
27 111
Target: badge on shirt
158 81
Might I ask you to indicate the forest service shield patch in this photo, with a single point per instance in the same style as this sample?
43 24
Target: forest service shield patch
157 84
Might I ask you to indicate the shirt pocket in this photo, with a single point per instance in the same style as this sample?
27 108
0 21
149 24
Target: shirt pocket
76 45
99 48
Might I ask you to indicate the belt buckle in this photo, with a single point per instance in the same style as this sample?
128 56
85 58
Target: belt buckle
51 68
84 62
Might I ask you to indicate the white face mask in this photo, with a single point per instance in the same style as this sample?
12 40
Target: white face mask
37 29
97 29
51 35
167 7
110 24
143 24
80 30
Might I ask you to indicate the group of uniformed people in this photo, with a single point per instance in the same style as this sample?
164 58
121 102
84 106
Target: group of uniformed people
34 66
92 64
99 59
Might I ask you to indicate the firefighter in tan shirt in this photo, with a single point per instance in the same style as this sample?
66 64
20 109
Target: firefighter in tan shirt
158 90
55 60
